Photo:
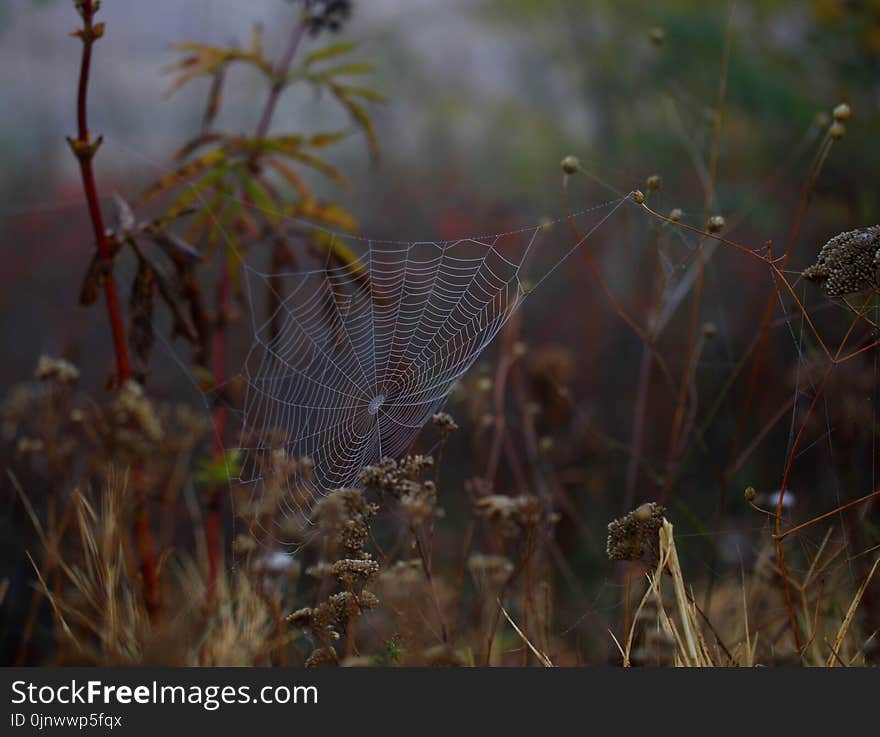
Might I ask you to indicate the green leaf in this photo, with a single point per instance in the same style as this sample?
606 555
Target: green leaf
258 195
337 49
363 92
329 171
321 140
360 116
220 470
211 160
342 70
193 193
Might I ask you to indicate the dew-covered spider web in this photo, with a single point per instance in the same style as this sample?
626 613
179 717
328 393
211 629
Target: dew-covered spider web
357 357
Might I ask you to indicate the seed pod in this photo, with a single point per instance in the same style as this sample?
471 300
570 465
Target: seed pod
571 165
842 112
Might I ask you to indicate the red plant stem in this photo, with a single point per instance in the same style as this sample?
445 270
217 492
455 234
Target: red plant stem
143 534
218 353
85 152
85 149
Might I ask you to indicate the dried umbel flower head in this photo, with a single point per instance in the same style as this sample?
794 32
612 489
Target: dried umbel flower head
354 572
490 570
343 517
390 477
635 536
56 369
131 406
444 422
837 130
638 197
511 514
570 165
675 214
848 263
417 498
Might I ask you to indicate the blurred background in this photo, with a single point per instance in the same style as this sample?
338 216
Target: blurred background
484 99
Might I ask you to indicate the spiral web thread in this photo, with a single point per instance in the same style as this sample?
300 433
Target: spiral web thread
356 359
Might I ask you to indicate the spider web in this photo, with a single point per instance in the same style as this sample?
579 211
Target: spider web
357 358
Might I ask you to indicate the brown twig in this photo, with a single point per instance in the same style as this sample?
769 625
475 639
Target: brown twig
280 81
826 515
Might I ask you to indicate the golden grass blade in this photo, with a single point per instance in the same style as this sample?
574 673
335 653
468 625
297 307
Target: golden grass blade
847 620
546 662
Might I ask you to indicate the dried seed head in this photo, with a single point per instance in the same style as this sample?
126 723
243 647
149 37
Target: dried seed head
56 369
444 422
710 330
658 36
571 165
638 197
132 406
653 182
750 494
635 536
848 263
675 214
837 130
715 224
842 112
492 570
